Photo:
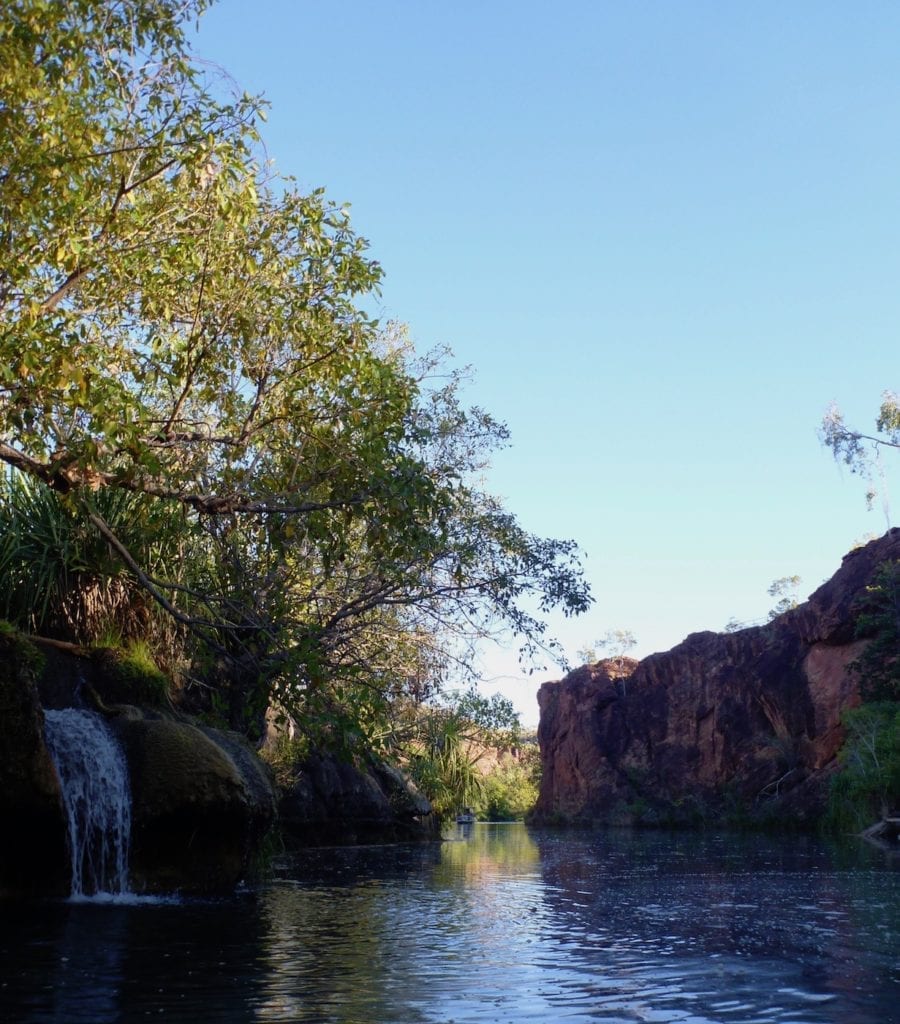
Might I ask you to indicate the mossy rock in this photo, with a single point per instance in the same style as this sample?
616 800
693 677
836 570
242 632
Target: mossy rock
19 657
33 850
200 806
124 676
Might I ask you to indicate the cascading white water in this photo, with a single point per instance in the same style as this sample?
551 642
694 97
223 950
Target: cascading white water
97 798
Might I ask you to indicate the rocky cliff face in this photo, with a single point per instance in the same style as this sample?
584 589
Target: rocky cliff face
725 726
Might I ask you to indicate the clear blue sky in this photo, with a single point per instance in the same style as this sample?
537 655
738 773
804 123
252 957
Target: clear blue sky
664 235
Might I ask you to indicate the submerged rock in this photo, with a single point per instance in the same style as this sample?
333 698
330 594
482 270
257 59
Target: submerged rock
741 727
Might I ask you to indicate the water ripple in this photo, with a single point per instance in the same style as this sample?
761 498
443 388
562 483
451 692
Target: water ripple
505 926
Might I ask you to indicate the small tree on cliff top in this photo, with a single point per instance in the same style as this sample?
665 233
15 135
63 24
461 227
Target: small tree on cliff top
785 589
615 643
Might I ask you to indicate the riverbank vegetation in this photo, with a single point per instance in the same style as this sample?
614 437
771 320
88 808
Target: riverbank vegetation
510 788
210 448
868 786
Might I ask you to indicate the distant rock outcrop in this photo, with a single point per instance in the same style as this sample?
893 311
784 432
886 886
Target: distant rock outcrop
726 726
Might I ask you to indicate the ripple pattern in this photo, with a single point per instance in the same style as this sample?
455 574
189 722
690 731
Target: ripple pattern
498 924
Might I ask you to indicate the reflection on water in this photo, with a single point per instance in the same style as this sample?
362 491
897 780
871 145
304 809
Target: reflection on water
497 924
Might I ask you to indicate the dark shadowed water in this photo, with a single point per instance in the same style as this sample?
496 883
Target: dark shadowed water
498 924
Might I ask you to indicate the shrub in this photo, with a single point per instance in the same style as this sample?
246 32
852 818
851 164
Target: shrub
868 785
878 617
509 791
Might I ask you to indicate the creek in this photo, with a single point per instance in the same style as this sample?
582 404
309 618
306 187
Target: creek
498 923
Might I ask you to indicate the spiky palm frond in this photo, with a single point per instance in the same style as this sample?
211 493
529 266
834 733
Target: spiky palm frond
60 578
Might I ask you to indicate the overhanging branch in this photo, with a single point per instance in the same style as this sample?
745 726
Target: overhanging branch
64 475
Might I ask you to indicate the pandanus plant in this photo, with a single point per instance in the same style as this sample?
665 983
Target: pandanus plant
59 578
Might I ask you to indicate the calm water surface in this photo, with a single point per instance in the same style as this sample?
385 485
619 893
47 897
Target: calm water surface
498 924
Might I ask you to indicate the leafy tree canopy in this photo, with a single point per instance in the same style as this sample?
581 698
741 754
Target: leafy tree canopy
175 320
181 326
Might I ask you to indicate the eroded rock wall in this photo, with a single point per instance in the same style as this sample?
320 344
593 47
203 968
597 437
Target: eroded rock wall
725 726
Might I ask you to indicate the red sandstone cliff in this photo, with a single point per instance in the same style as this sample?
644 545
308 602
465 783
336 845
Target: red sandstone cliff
724 725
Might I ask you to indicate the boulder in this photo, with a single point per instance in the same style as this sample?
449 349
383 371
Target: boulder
741 727
332 802
201 803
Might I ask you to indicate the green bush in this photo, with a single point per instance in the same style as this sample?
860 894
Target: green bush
285 756
868 785
878 619
59 577
509 791
447 775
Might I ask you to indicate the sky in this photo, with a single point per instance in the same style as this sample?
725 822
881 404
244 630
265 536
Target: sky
665 236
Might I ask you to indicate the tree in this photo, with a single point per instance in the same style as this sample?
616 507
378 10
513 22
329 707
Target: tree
785 589
861 451
616 642
868 786
180 326
444 745
510 789
173 321
444 742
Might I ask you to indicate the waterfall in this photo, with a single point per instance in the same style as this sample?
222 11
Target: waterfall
97 800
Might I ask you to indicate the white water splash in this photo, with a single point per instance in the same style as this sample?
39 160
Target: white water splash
97 799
